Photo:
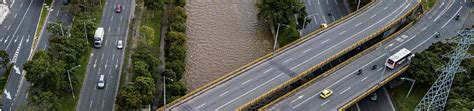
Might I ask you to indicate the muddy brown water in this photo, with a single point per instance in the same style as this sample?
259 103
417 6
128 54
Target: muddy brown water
223 35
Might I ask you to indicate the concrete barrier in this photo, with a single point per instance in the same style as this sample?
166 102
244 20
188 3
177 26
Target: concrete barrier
327 61
264 58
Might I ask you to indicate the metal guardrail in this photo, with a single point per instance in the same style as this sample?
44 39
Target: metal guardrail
305 73
262 59
338 66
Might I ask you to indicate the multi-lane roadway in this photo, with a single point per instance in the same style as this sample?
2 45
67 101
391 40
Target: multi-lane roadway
16 36
344 82
323 11
271 72
107 60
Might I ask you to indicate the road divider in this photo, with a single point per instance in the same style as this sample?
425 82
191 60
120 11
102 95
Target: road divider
265 58
305 73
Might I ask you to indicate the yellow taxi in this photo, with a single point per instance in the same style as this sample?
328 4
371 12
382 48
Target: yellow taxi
325 93
323 25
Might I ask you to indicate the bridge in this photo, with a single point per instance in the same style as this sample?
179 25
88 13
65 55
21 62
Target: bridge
319 47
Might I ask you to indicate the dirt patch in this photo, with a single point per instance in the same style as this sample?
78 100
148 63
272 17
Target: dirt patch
223 35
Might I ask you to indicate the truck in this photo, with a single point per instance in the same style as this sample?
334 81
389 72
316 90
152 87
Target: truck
98 37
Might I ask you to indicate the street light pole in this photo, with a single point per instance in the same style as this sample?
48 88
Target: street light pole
304 22
411 87
276 38
164 92
70 83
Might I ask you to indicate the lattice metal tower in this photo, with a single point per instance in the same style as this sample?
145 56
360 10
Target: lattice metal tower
435 99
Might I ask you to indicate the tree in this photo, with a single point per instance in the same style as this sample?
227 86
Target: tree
145 55
154 4
178 26
140 68
176 89
177 67
177 37
168 73
43 100
175 52
127 98
4 59
281 11
146 87
55 28
149 34
46 74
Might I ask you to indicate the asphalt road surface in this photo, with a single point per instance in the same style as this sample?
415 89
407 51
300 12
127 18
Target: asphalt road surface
16 36
318 13
55 15
107 60
346 85
274 71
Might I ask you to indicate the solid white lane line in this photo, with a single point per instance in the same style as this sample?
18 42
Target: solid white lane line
352 36
354 72
345 90
246 81
309 2
200 106
18 27
268 70
223 93
364 78
325 103
306 50
423 42
444 10
287 60
249 91
452 17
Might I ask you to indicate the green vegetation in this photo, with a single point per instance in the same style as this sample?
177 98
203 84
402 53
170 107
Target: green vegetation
353 4
286 13
141 90
175 51
422 69
428 4
44 14
47 71
415 96
4 63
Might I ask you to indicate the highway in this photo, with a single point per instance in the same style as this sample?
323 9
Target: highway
271 72
318 13
346 85
57 14
107 60
16 37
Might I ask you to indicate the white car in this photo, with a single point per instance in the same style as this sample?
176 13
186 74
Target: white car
101 83
119 44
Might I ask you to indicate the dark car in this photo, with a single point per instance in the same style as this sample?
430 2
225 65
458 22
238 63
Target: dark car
118 8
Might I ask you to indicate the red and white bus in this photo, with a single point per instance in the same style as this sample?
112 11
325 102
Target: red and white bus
398 58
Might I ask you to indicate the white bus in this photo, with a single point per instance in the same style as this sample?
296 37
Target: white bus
398 58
